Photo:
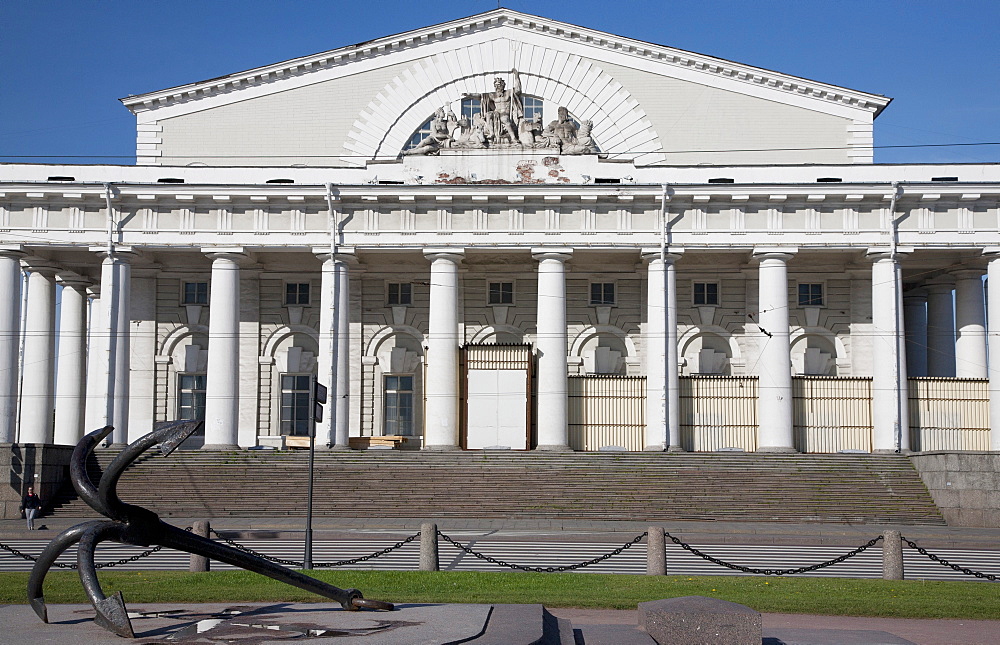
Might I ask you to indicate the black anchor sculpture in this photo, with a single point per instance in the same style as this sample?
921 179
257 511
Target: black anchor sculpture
129 524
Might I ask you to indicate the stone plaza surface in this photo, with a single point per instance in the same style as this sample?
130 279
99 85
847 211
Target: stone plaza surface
417 624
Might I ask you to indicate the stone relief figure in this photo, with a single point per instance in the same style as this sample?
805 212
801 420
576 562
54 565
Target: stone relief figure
469 136
501 123
439 137
503 108
584 144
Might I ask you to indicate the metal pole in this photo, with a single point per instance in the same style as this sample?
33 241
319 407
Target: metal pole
307 558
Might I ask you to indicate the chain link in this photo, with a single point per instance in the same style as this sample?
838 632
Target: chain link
102 565
569 567
967 571
774 572
317 565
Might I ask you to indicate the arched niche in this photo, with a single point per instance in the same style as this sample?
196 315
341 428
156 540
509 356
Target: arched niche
708 352
603 349
621 126
815 354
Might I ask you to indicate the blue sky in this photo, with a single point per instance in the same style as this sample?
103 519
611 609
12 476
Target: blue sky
64 65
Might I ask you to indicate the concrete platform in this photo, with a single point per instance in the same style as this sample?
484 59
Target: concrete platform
430 624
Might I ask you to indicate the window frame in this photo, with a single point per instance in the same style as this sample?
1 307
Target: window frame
295 405
388 294
799 296
489 293
195 283
393 394
706 283
307 284
604 284
194 392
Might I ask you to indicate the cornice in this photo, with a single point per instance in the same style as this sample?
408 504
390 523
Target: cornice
708 65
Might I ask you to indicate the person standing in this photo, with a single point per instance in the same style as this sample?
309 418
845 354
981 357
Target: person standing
31 505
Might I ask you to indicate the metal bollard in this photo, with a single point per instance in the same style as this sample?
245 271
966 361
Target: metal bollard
656 552
200 563
428 547
892 555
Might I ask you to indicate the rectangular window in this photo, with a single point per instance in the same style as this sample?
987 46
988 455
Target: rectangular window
195 293
297 293
532 107
191 396
501 293
602 293
398 405
471 107
296 404
810 294
400 293
706 293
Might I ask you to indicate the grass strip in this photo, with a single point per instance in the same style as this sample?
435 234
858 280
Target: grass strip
828 596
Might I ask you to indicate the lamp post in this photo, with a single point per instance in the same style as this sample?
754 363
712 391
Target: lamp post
319 398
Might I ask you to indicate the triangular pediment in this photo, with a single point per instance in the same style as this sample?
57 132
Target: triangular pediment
698 67
411 74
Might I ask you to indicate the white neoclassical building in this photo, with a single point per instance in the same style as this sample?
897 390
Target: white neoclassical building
505 231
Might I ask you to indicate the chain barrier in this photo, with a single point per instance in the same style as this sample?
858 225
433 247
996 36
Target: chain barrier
102 565
569 567
967 571
317 565
774 572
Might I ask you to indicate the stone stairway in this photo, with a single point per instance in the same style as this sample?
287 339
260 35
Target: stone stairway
654 487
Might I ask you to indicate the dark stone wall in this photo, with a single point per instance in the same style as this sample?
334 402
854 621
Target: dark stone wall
964 485
44 466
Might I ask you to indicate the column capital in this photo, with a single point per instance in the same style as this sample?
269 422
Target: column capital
233 253
456 255
71 279
15 251
877 253
774 252
44 266
990 252
966 273
345 255
673 254
918 294
123 253
940 284
561 253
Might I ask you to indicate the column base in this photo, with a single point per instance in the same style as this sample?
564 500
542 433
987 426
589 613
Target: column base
890 451
554 448
654 449
675 449
441 448
777 450
335 448
115 446
220 446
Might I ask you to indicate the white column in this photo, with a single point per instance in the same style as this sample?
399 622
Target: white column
441 387
890 415
96 408
660 348
37 380
774 369
223 372
10 339
333 364
113 342
970 323
915 323
550 345
993 327
940 327
70 384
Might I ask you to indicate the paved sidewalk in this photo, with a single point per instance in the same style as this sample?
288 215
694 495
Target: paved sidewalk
920 631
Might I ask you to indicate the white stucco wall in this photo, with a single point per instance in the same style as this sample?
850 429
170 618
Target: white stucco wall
690 117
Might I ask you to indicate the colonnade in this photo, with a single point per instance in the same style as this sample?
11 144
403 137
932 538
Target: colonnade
928 344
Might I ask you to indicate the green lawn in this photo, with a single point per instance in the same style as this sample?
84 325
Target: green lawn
833 596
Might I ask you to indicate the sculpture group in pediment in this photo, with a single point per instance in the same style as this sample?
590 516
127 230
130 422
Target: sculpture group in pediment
501 123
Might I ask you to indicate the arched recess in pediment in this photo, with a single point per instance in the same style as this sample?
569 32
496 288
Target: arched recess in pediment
620 124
